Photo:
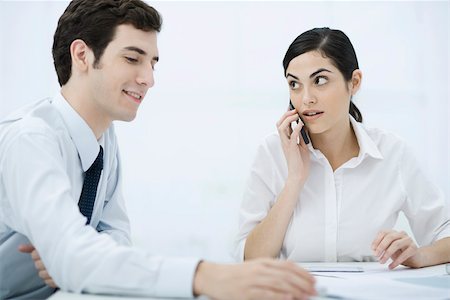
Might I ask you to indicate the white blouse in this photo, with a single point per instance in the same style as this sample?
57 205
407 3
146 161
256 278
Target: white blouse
339 213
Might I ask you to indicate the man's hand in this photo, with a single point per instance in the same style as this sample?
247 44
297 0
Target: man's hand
397 246
256 279
28 248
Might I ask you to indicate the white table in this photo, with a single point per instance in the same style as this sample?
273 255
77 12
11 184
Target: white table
376 282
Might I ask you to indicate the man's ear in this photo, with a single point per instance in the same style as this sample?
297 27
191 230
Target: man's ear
355 82
81 56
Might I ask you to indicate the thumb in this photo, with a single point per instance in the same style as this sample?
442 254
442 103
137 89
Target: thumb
26 248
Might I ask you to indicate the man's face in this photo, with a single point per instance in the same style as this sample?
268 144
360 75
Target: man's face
124 74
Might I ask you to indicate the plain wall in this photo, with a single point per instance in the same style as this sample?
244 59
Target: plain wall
220 89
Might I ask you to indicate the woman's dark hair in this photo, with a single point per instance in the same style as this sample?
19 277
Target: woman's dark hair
95 22
333 44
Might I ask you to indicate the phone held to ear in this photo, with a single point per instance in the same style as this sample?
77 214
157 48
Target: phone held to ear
302 131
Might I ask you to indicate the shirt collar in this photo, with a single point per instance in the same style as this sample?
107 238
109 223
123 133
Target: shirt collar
367 146
80 132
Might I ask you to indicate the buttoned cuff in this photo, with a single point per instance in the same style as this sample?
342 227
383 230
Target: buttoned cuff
176 277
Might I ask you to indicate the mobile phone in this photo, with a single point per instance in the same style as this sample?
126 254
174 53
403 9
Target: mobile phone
302 131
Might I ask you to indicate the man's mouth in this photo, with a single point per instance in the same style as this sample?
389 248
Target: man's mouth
136 97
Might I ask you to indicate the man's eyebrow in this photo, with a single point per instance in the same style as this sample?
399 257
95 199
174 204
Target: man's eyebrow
140 51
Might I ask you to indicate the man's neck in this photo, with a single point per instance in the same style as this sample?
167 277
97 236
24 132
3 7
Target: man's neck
86 108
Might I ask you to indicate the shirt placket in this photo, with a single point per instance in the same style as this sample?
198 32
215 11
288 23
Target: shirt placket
332 200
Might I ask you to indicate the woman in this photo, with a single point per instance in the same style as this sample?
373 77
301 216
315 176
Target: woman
338 197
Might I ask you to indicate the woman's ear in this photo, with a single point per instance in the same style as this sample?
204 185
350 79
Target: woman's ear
79 53
355 82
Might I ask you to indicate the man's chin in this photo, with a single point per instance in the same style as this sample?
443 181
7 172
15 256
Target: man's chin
127 118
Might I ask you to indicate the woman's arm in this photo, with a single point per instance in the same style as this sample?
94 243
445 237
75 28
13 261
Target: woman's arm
266 239
399 247
427 212
434 254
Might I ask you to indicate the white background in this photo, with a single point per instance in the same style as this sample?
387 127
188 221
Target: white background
220 89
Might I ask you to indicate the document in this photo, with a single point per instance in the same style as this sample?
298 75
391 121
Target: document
333 268
375 287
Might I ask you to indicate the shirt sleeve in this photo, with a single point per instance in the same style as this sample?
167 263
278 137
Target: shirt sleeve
114 219
425 207
257 200
75 255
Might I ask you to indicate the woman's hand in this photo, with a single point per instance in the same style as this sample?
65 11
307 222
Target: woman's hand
397 246
294 148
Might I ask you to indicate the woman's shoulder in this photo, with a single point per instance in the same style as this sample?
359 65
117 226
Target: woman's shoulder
386 141
270 147
271 141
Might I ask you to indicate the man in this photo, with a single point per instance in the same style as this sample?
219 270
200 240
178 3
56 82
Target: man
60 193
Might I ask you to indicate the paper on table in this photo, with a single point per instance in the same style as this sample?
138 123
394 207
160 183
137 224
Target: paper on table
373 287
325 268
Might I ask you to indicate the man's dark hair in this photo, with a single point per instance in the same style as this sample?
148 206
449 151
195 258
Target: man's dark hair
95 22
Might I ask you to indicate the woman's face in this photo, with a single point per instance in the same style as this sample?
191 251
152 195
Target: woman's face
319 92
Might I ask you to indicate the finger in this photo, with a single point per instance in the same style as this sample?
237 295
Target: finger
396 255
410 251
296 134
378 239
402 243
50 283
39 265
44 274
298 278
386 242
278 282
35 255
286 123
263 294
395 246
285 115
26 248
299 271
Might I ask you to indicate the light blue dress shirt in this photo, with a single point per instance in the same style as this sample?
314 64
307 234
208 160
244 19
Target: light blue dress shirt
45 148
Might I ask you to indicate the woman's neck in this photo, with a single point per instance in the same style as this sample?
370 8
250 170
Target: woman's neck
338 145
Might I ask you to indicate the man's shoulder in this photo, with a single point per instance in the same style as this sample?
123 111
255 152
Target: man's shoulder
36 118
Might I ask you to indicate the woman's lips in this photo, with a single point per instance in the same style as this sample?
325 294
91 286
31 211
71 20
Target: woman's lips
311 117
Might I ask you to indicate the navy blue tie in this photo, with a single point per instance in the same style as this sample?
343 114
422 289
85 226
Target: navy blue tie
89 191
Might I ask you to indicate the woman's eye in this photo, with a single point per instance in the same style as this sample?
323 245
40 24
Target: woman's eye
131 60
293 85
320 80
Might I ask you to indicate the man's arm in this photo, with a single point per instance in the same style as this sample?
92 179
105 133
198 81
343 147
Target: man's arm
40 205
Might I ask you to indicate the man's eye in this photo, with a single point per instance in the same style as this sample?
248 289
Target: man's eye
320 80
131 59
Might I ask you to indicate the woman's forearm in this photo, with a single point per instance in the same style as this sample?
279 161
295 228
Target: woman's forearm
435 254
266 239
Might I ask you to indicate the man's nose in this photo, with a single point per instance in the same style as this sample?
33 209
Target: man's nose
145 77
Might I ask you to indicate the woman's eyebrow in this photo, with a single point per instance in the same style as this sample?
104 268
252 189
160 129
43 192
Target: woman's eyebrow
289 74
318 71
310 76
